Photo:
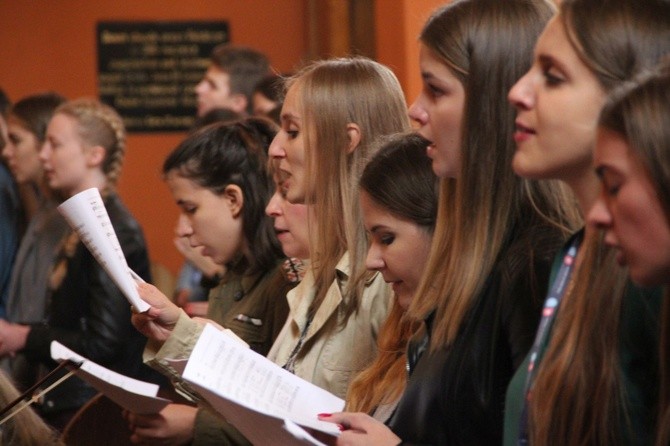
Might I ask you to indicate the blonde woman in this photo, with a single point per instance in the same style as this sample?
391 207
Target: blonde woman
329 121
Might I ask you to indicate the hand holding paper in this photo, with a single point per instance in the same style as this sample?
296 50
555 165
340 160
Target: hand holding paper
158 322
86 214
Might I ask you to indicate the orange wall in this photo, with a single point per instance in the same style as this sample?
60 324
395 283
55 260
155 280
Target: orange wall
399 23
50 45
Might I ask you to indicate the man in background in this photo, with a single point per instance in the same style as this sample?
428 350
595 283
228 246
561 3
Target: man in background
230 80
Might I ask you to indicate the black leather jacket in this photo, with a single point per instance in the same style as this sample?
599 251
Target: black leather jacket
456 395
89 314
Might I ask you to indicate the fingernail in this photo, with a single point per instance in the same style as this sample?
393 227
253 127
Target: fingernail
341 427
325 415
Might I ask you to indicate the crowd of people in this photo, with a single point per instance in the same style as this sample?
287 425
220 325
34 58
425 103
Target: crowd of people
490 265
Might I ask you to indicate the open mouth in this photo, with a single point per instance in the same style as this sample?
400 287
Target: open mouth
520 128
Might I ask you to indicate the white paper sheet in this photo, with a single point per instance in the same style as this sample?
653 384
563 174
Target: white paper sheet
132 394
254 394
86 214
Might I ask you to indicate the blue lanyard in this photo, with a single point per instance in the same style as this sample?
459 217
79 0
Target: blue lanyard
549 311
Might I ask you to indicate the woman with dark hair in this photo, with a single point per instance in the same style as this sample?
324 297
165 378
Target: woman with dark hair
218 179
27 292
632 159
398 197
27 123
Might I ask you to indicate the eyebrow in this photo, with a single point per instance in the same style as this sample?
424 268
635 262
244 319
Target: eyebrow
376 228
427 75
289 117
547 59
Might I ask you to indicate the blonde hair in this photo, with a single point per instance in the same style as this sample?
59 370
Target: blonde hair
100 125
26 427
332 94
97 125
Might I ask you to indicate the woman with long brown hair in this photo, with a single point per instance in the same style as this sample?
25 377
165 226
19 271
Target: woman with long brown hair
632 159
582 382
494 239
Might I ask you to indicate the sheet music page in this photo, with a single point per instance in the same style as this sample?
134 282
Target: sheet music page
86 214
301 434
132 394
255 394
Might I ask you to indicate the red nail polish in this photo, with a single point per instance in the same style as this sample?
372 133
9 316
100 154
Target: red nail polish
341 427
325 415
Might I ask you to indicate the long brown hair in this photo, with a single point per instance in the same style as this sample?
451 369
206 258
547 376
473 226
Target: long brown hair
577 397
577 393
487 45
640 113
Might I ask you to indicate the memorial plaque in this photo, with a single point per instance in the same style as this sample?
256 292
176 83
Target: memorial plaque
148 71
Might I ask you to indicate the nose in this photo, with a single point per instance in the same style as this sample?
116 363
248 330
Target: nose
521 95
276 149
45 152
374 260
184 228
273 209
417 112
599 215
200 86
6 151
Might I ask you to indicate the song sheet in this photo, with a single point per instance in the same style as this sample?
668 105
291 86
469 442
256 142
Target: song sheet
86 214
263 401
132 394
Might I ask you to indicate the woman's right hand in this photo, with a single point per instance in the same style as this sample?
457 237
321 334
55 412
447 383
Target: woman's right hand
158 322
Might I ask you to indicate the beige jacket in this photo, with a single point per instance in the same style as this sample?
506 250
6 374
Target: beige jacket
330 356
333 353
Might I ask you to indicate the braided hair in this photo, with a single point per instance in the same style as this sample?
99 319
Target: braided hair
99 124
